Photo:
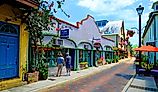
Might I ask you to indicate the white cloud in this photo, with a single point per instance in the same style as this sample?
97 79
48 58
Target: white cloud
120 9
153 0
117 8
103 6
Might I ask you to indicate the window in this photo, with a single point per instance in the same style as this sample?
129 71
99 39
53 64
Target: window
99 24
60 42
8 28
150 34
156 7
103 23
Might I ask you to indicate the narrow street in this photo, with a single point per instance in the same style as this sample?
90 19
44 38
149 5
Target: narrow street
110 80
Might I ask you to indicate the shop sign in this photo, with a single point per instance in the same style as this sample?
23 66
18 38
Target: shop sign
96 40
64 34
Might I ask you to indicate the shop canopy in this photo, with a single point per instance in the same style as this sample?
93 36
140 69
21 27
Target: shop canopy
147 49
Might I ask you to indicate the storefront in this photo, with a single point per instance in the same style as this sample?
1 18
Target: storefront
109 52
85 53
97 53
69 46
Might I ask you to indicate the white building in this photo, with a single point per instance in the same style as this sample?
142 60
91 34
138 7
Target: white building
115 31
83 41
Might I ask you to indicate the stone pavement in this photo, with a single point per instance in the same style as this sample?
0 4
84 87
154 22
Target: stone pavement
140 83
53 81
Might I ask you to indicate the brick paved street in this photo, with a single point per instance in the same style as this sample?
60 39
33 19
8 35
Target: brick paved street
110 80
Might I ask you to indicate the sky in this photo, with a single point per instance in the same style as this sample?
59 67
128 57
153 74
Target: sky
111 10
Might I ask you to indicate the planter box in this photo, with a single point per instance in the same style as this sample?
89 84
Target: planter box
32 77
83 66
100 63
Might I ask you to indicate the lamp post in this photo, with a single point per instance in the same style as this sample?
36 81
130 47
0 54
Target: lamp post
139 11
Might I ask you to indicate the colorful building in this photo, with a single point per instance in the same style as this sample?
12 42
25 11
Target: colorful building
115 30
83 41
13 43
150 36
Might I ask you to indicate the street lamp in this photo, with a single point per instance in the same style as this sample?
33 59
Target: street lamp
139 11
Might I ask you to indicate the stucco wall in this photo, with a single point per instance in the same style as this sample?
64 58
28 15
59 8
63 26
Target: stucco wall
87 31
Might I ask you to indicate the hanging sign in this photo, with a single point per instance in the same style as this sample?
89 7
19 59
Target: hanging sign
64 34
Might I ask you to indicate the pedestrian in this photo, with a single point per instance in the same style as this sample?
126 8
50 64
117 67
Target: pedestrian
60 63
68 63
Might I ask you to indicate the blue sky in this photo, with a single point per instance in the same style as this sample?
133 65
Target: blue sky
111 10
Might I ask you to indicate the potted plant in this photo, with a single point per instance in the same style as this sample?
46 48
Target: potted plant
100 61
83 65
33 75
108 61
116 58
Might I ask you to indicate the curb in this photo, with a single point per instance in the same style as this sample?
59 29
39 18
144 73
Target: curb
128 84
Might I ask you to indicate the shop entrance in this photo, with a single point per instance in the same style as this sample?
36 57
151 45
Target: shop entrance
72 54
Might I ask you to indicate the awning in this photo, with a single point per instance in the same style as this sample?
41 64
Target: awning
147 49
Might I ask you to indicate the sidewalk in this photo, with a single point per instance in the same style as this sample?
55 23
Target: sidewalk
53 81
141 84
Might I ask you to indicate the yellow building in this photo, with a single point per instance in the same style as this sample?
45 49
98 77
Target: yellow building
13 43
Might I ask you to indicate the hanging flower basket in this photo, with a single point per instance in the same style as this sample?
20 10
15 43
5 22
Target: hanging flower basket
130 33
57 29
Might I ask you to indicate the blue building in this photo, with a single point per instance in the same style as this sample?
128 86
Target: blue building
101 23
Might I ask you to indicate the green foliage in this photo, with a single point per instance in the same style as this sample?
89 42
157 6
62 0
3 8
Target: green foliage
108 60
42 66
38 20
115 48
144 58
116 58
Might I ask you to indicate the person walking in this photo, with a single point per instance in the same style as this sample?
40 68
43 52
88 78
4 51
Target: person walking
60 62
68 63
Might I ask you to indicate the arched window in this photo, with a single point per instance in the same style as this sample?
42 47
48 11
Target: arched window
8 28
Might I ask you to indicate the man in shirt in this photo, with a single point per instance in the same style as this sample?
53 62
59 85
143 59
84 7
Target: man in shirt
60 62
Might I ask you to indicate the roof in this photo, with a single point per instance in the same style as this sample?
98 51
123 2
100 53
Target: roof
113 27
63 21
151 17
77 23
81 22
31 3
154 4
108 39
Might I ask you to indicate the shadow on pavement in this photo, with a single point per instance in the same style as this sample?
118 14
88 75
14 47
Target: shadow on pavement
126 76
51 79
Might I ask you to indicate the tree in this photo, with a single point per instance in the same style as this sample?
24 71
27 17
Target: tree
38 20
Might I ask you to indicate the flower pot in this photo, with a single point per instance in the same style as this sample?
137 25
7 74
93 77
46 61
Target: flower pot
32 77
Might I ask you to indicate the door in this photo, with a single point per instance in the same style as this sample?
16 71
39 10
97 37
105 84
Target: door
72 54
89 58
9 64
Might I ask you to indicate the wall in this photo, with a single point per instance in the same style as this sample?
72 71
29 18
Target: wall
87 31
